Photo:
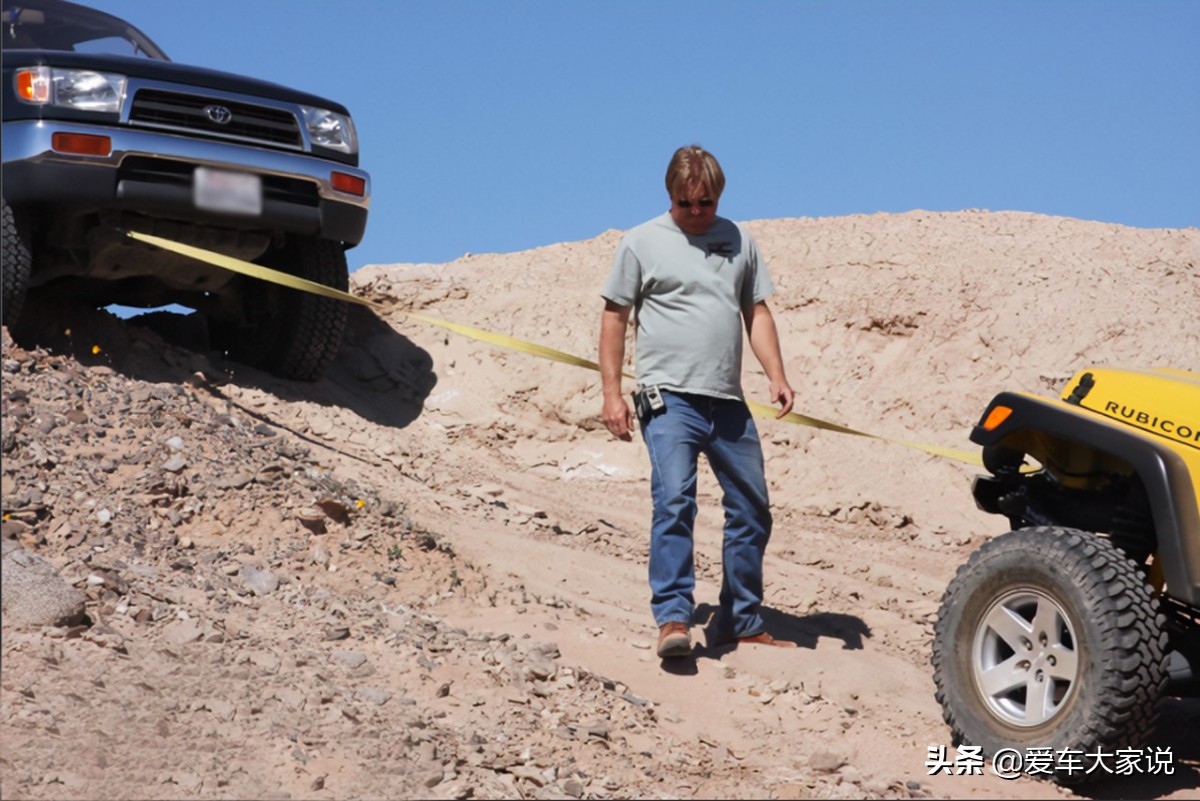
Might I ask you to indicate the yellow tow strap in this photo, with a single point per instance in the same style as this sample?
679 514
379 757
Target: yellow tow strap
512 343
250 268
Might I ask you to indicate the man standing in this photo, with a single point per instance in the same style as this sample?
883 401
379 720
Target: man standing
695 280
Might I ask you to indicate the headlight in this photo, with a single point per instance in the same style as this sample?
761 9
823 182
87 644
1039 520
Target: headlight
84 90
330 129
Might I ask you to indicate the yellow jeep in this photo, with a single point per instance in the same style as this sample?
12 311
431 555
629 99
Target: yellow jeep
1064 633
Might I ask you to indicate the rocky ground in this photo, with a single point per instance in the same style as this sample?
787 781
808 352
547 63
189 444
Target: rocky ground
423 576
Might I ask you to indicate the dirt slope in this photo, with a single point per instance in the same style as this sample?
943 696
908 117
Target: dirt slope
424 576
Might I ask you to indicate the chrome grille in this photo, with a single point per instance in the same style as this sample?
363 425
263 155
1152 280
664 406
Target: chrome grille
183 112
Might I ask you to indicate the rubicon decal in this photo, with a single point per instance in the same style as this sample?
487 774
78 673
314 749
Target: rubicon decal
1171 428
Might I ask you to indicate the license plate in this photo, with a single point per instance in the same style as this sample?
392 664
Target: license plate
230 192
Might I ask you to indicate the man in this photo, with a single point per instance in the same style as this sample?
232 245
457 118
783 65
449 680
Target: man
695 280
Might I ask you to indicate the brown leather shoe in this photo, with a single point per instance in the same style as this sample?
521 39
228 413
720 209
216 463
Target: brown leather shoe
764 639
674 640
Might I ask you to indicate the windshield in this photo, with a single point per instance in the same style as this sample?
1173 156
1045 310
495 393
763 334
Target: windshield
53 25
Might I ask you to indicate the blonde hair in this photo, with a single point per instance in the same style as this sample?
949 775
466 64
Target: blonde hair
694 166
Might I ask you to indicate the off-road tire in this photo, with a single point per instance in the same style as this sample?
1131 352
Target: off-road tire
18 262
1092 601
291 333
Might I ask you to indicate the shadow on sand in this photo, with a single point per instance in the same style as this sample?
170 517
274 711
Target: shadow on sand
1175 746
804 632
379 374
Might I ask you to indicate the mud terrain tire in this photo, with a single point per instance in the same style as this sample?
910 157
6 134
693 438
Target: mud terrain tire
17 262
1049 637
291 333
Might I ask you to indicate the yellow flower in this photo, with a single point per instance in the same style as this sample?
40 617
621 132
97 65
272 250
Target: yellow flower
95 349
360 503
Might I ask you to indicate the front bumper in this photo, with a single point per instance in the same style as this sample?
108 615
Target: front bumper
150 173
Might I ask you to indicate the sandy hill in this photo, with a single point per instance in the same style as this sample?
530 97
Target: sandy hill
424 576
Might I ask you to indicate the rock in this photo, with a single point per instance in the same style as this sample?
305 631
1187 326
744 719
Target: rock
265 660
826 762
239 479
351 659
333 633
33 594
375 696
175 463
529 773
541 669
260 582
549 650
182 632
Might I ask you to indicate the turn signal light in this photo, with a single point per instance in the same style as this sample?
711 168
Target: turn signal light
33 85
83 144
995 417
350 184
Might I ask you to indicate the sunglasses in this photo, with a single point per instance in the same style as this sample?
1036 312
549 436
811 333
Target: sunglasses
687 204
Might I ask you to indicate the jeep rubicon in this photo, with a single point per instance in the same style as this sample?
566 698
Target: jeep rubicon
103 135
1063 634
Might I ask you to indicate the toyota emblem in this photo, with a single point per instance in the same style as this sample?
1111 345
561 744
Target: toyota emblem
218 114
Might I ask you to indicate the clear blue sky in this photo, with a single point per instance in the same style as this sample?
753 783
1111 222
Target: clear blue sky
502 126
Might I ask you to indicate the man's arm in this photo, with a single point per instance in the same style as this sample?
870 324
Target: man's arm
764 341
617 416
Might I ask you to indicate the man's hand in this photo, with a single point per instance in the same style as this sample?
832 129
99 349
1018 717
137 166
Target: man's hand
618 419
764 340
784 395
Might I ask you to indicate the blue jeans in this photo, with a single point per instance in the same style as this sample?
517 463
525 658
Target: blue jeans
724 432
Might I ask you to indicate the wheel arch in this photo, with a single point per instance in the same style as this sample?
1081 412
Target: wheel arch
1165 476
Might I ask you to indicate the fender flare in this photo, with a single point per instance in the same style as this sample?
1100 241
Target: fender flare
1036 422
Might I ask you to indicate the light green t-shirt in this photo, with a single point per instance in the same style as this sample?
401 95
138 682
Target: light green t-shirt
689 294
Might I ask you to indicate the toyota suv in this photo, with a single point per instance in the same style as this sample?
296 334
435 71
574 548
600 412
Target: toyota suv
104 135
